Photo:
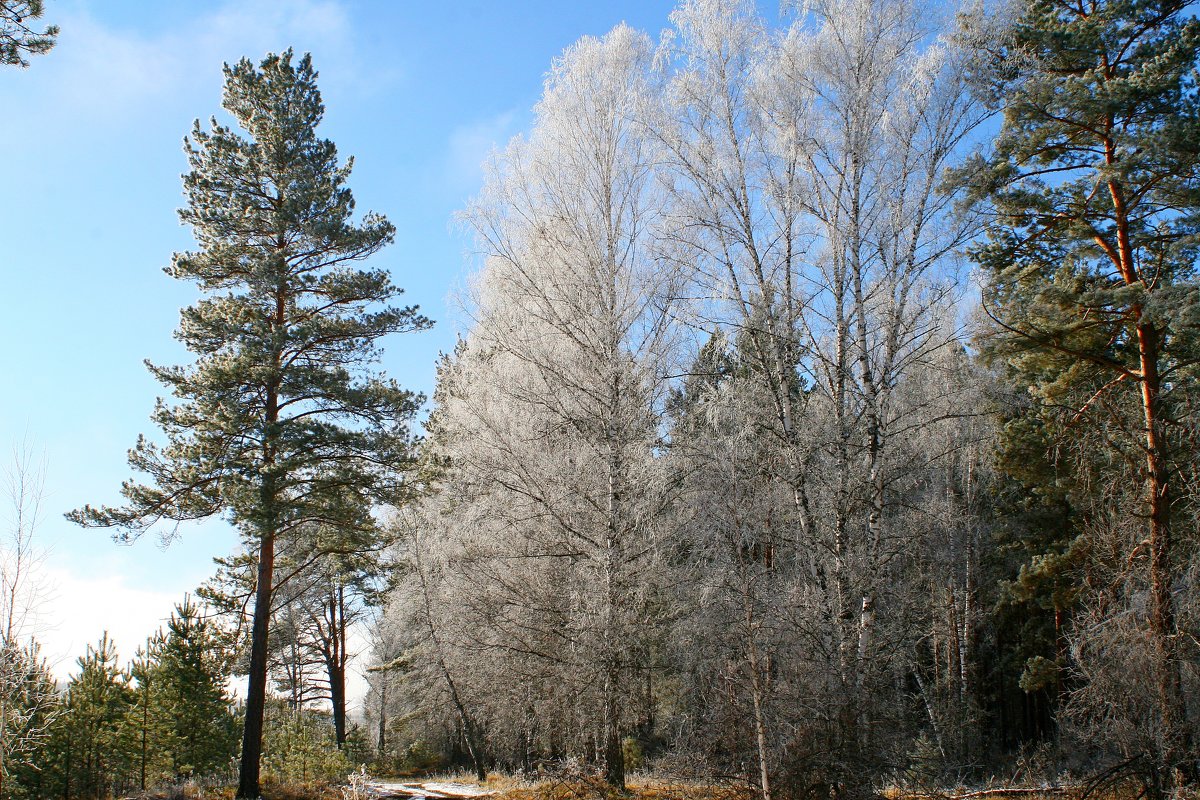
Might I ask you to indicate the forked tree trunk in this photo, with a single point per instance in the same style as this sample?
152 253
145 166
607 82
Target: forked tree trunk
335 662
337 698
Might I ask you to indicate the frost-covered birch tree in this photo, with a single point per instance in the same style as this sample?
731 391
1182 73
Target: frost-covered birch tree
808 200
877 116
803 502
567 354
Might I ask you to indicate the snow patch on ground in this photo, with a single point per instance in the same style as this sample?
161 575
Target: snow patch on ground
433 790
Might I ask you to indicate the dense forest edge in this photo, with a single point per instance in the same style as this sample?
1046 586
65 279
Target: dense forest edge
823 424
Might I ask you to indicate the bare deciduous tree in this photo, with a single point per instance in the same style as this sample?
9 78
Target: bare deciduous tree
27 701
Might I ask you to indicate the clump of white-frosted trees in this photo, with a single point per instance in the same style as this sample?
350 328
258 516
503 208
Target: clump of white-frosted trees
710 474
597 526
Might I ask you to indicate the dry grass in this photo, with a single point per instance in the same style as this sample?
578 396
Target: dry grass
301 791
582 786
1125 790
578 787
508 788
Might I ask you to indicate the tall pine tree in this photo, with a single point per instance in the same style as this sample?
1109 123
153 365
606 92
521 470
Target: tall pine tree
281 422
1092 267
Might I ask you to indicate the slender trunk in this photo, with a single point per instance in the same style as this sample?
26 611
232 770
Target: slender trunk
757 694
869 388
933 719
67 765
336 663
470 730
337 696
145 725
844 612
256 691
471 734
529 731
382 716
614 754
760 735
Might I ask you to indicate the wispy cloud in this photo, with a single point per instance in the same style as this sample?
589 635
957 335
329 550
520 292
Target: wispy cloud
103 76
470 145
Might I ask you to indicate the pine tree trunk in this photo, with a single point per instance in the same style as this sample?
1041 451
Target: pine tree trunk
382 734
145 731
256 691
336 664
1171 702
1172 707
337 697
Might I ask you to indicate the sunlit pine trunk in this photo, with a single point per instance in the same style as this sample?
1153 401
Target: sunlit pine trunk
256 689
1163 626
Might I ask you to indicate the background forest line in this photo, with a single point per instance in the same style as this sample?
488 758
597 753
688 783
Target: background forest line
824 419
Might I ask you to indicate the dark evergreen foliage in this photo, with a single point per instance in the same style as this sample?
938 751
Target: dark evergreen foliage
17 39
280 423
1093 291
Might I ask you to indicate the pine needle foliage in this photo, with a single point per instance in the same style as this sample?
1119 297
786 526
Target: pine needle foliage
1093 279
282 421
18 39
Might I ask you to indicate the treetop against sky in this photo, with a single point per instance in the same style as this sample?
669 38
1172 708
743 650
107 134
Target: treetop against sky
92 135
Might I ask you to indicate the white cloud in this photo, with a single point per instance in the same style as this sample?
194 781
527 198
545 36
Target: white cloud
76 610
81 608
101 75
470 145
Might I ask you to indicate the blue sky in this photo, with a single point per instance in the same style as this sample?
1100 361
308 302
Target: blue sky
90 142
